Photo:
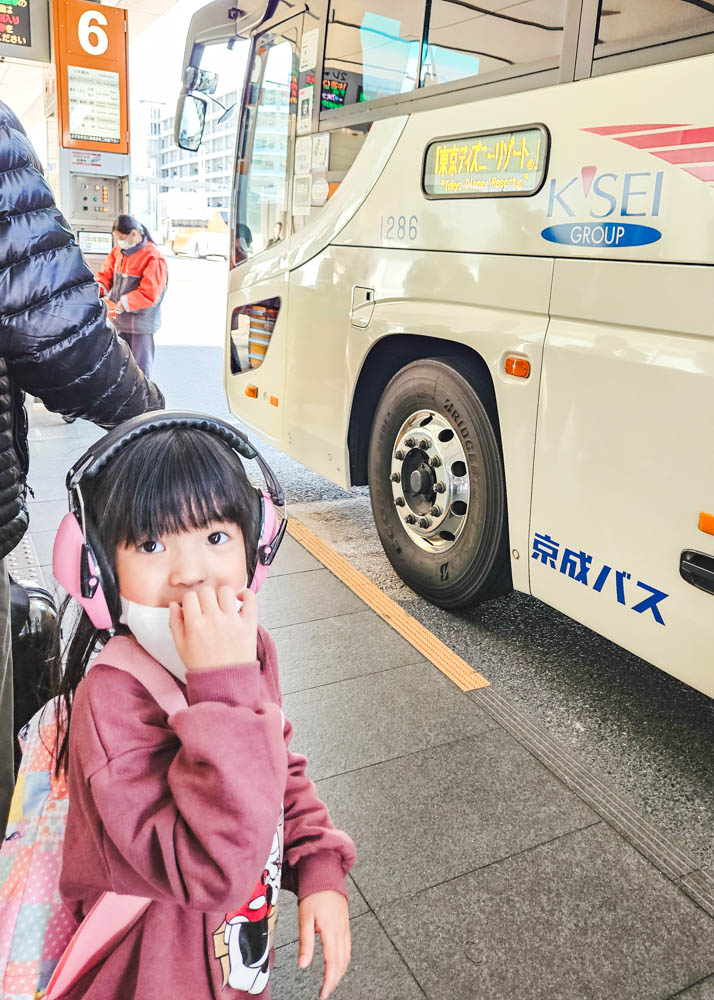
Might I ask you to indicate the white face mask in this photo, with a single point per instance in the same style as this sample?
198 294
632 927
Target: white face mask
150 628
123 244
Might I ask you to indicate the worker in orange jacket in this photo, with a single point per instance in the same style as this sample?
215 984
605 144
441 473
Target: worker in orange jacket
133 282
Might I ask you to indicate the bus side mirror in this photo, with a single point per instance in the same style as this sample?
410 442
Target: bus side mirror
204 81
190 121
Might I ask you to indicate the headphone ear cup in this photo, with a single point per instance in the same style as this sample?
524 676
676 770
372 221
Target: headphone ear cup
107 578
269 530
73 558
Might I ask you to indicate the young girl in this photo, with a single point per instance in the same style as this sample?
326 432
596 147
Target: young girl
191 810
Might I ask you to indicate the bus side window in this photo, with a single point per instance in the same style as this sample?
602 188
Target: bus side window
635 23
343 145
466 42
372 50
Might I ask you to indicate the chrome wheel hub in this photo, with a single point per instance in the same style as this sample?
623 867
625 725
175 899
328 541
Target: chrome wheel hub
430 481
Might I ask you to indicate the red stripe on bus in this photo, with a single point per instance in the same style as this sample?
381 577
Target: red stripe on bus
622 129
703 173
700 154
681 137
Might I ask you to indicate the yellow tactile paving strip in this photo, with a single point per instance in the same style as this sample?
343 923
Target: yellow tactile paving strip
433 649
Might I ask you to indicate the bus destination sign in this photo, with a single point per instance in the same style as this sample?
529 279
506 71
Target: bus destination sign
494 163
15 22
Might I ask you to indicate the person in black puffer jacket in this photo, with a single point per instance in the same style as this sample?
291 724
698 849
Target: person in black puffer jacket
55 343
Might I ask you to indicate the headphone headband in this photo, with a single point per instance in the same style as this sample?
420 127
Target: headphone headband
102 451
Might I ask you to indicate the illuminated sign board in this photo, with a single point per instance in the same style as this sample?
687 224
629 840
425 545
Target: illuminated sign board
333 93
341 87
15 22
92 242
487 164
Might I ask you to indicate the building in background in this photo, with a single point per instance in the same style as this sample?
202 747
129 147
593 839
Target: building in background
210 169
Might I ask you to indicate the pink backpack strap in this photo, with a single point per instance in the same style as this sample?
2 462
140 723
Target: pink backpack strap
125 653
100 931
113 915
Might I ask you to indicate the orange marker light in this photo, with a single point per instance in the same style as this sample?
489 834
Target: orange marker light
273 400
706 522
518 367
251 391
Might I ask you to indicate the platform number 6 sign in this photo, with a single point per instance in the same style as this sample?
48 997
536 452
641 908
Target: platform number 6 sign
92 37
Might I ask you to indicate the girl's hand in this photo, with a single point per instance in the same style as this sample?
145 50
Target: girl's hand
211 632
326 913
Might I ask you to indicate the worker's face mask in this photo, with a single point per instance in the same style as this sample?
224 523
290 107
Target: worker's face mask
131 239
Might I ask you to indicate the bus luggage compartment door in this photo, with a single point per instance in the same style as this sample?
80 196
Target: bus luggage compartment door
623 464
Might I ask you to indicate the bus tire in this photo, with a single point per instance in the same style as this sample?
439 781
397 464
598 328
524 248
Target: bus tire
457 552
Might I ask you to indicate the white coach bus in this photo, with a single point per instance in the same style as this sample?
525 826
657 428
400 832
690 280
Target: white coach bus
472 249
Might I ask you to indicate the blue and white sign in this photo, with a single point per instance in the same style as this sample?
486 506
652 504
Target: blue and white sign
617 584
601 203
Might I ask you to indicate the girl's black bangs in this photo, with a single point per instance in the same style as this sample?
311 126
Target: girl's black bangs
184 480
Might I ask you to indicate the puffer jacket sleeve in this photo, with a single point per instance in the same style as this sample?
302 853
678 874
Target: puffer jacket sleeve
54 331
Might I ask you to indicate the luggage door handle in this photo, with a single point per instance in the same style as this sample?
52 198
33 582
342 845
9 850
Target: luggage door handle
362 306
697 568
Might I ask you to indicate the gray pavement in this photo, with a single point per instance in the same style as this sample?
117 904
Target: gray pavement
491 862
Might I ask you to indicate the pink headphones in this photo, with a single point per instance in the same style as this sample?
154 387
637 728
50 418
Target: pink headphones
78 562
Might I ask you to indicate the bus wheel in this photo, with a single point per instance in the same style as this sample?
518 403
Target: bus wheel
437 484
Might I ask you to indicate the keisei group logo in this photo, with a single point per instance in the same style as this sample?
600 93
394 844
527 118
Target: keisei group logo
602 204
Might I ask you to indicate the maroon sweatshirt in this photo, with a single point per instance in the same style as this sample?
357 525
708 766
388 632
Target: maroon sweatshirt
192 811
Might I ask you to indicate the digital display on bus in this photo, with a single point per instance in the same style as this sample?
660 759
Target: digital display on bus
333 93
491 163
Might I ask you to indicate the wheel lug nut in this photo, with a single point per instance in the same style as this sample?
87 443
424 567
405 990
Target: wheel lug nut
424 522
440 488
436 511
409 442
399 455
410 519
400 501
424 444
435 462
395 477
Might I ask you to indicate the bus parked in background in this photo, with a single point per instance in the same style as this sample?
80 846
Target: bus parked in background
471 265
200 238
190 226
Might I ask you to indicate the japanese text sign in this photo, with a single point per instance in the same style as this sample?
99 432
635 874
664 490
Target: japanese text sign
91 56
15 22
492 163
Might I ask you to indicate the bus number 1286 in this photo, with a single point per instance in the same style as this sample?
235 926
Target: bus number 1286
398 227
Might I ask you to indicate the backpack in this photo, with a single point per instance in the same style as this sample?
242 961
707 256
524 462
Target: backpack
43 950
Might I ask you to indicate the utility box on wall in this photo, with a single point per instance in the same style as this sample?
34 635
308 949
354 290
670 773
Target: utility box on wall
95 201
